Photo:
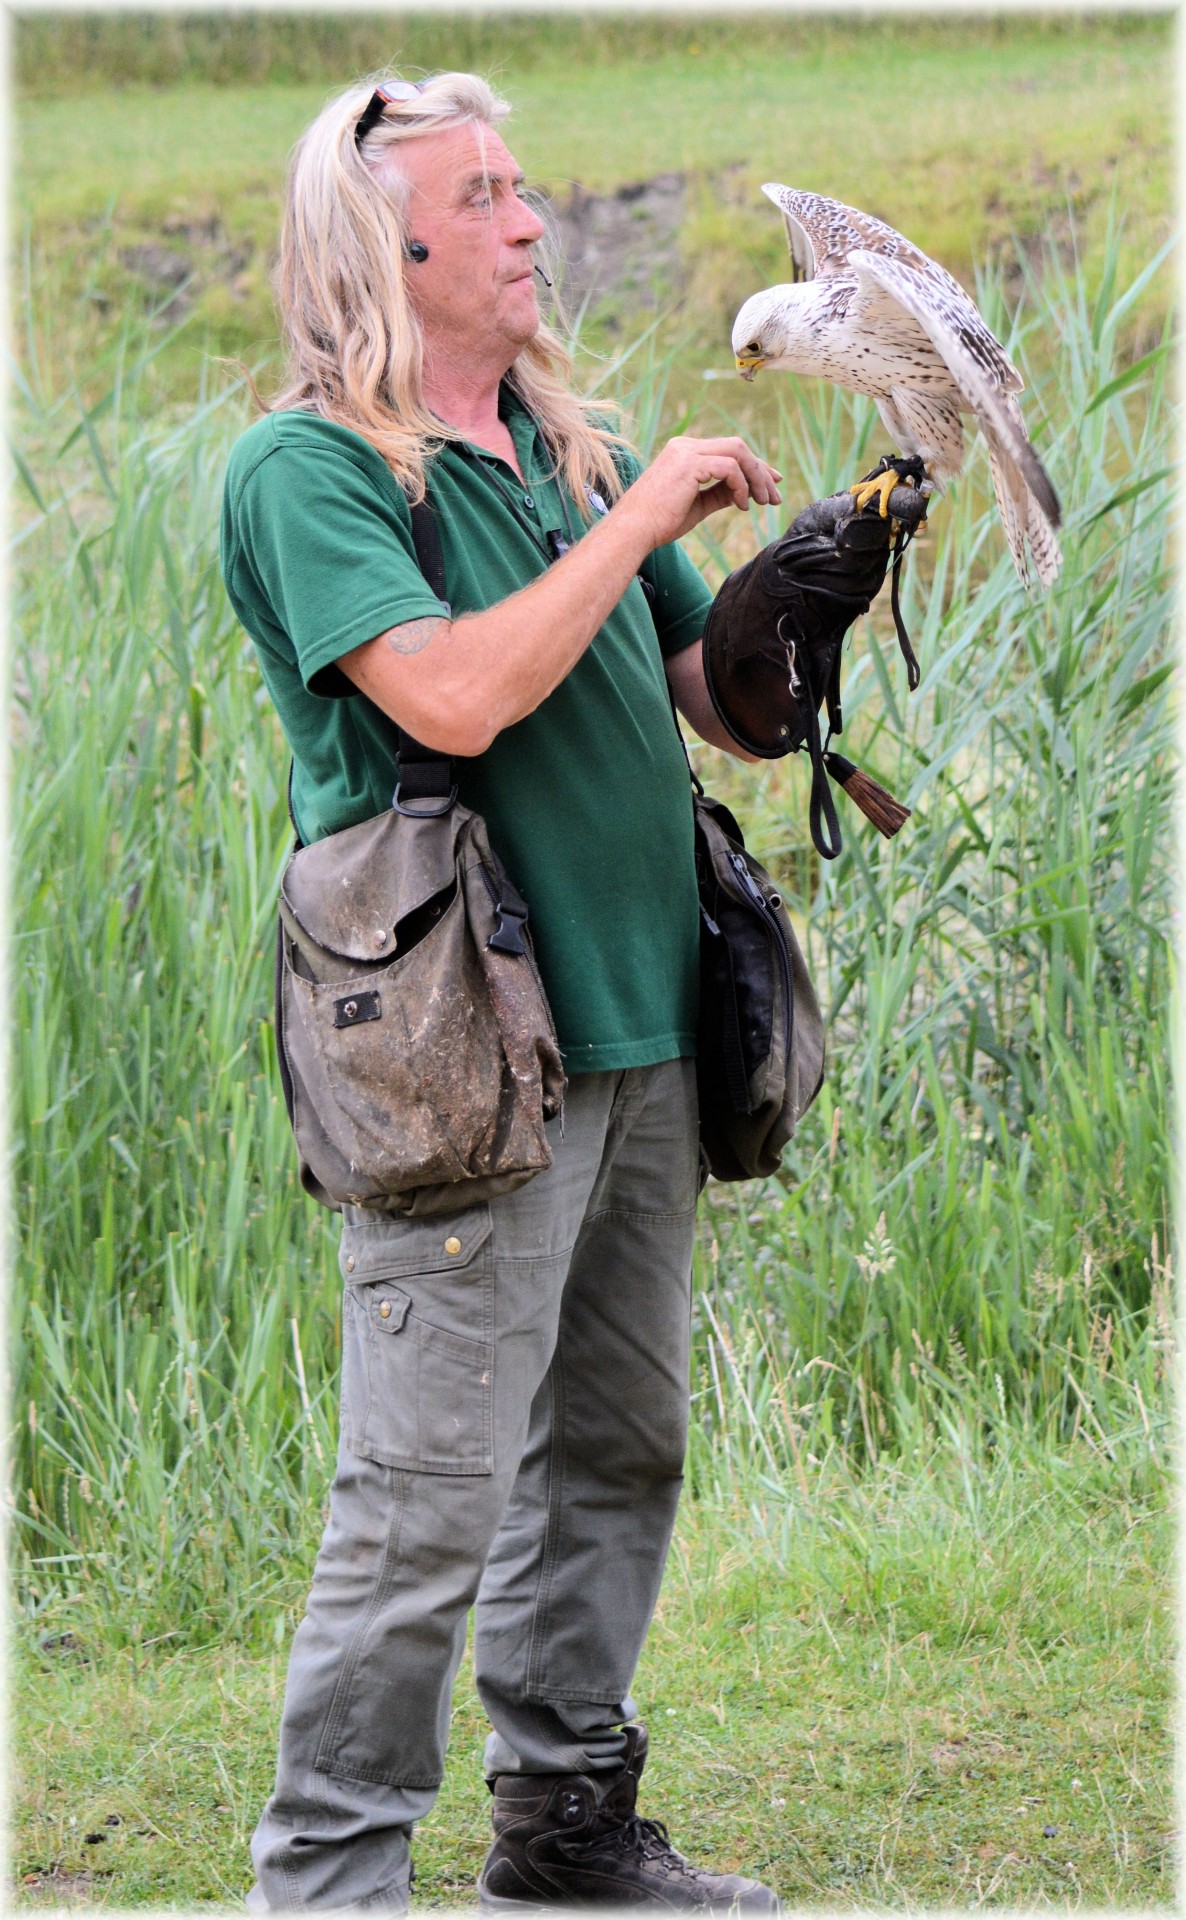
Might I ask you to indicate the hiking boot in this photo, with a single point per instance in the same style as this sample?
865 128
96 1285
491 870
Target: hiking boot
575 1840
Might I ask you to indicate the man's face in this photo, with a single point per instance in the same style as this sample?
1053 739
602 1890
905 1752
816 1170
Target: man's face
475 293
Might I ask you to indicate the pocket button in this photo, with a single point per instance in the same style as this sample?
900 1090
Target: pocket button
452 1244
389 1310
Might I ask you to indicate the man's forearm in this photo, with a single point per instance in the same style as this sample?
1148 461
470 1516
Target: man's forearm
455 684
685 677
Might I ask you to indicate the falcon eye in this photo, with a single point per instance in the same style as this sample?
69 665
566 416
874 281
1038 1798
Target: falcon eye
753 346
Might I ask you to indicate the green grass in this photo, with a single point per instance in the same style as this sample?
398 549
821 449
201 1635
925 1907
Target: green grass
73 54
970 135
944 1687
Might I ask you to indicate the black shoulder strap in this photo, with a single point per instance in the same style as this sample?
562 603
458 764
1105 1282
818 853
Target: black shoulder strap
426 537
425 774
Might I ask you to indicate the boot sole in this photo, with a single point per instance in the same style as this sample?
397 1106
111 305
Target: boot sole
499 1903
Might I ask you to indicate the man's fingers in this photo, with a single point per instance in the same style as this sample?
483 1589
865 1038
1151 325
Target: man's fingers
747 480
725 482
692 478
712 459
733 489
761 478
713 499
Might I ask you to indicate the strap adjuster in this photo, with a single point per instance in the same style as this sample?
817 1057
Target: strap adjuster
424 806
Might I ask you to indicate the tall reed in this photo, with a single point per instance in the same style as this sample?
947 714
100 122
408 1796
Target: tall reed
970 1238
977 1211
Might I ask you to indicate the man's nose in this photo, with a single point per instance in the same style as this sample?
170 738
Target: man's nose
526 225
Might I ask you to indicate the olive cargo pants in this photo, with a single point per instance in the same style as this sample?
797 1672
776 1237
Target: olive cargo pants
514 1415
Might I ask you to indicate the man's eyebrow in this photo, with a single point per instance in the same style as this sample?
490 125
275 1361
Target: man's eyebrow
476 180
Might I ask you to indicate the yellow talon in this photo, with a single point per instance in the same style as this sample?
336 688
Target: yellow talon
882 484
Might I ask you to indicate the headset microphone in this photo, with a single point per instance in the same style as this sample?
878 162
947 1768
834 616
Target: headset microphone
417 251
546 278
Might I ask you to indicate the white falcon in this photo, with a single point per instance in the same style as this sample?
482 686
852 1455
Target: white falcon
870 312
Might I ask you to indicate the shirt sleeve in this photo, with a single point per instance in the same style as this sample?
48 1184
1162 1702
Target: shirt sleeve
682 596
331 555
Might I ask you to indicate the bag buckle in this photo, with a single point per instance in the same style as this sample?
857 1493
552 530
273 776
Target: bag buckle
508 928
510 912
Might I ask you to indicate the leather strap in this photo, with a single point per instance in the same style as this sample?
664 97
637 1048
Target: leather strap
822 810
913 670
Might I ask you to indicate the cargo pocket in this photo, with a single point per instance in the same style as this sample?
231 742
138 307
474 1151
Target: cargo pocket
417 1347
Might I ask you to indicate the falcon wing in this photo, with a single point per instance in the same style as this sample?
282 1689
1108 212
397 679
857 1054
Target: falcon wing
798 234
974 369
823 232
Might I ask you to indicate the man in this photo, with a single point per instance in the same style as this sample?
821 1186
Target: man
417 354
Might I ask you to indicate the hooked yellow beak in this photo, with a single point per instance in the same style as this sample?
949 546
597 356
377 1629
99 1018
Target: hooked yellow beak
747 364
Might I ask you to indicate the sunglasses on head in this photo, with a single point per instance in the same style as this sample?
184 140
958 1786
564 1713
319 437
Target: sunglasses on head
382 97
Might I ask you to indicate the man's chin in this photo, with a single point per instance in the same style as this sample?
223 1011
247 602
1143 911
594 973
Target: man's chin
519 337
520 311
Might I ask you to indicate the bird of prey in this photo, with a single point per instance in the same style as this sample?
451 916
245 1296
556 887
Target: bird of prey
871 312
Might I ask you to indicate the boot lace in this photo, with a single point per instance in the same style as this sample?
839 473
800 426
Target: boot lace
644 1839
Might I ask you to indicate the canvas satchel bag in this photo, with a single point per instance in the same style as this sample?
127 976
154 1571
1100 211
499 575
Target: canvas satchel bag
417 1050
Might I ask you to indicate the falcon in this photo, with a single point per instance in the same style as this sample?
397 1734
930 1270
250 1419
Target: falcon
870 311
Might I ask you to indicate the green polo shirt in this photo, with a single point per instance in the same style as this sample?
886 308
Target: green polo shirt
586 800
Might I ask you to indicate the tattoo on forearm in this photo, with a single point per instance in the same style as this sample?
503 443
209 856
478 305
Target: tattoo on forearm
414 635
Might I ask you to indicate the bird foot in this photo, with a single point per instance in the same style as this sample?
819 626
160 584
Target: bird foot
891 471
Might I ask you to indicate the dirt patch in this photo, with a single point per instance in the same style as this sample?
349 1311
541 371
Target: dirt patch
623 246
190 255
1009 240
962 1755
56 1887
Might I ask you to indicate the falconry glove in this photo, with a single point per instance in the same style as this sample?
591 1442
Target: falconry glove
773 639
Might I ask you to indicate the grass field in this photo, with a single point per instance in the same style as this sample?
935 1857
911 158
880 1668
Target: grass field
972 138
948 1687
914 1644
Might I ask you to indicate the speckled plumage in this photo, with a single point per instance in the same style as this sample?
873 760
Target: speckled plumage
880 317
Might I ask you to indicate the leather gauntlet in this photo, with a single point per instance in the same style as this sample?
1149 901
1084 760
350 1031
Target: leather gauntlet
772 641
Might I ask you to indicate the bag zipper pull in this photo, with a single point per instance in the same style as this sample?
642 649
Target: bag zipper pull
747 880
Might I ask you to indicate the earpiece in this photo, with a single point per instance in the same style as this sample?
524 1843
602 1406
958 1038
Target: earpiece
417 251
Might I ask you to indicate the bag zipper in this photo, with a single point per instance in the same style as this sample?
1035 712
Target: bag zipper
767 912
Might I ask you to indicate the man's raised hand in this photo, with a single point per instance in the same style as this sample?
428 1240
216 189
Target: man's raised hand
692 478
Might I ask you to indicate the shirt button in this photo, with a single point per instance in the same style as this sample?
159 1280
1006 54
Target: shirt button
529 503
385 1310
350 1264
452 1244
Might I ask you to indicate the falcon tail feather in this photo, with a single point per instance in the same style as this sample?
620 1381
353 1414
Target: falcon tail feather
1027 529
1043 545
1036 477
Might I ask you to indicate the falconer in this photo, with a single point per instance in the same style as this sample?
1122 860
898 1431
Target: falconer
417 359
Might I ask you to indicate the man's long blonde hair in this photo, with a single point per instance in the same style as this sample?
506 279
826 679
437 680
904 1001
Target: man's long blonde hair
354 345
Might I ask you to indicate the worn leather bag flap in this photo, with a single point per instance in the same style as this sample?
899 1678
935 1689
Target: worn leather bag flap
349 891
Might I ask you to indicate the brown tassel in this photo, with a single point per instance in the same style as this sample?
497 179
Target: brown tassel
886 813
